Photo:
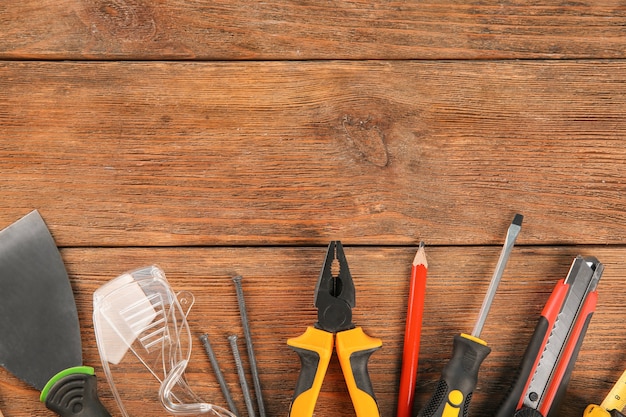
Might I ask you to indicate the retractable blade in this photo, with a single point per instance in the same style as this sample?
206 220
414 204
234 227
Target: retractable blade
550 356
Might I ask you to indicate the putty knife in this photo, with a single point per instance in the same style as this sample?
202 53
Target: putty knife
39 330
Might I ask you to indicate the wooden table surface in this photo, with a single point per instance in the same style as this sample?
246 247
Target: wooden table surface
217 138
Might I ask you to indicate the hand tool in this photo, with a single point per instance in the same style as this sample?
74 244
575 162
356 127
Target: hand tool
613 404
551 353
39 331
334 299
412 333
460 375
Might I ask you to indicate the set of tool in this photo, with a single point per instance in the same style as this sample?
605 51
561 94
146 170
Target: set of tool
141 327
549 359
139 321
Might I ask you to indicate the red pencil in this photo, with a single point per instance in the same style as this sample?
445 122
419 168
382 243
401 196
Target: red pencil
412 333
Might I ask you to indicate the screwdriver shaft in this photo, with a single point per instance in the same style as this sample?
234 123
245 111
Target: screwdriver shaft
511 236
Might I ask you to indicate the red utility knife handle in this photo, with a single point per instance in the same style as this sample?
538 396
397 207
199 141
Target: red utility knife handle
514 403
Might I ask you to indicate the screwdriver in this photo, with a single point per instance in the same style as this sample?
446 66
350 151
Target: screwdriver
613 404
459 377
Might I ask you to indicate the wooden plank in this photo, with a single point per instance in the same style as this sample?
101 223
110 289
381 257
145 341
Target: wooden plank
279 284
180 154
285 30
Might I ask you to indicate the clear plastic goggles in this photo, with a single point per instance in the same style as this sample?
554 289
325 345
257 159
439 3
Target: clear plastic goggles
143 337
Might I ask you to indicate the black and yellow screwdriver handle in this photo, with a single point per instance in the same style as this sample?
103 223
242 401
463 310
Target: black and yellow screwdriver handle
315 347
354 349
454 390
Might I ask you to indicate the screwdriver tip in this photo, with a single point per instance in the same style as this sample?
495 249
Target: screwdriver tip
517 220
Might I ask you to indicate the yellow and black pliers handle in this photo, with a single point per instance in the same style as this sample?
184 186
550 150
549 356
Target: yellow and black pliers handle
334 299
315 347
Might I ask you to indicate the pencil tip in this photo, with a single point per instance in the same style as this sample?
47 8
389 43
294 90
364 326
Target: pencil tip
420 256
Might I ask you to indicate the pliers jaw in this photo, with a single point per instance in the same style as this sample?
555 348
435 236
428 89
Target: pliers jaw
335 294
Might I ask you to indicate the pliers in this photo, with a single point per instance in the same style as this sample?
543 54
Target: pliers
334 299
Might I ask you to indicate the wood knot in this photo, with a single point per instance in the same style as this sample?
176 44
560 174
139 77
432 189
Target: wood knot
367 138
128 20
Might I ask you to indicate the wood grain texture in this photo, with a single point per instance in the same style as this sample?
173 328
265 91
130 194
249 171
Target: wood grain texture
279 284
226 137
180 154
303 30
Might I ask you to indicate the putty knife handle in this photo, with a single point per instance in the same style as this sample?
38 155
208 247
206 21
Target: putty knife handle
74 395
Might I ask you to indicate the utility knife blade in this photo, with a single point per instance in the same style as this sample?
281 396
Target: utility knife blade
552 351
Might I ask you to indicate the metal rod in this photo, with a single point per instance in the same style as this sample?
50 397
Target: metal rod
232 339
251 357
218 373
511 235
